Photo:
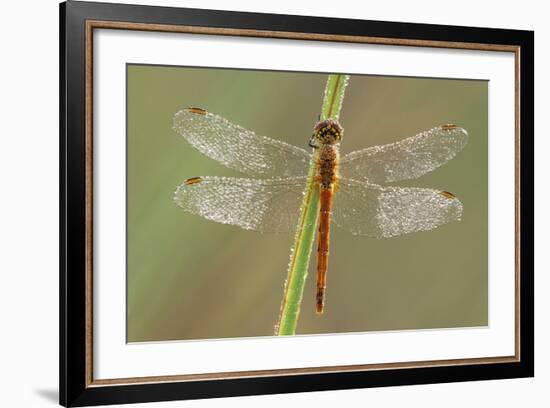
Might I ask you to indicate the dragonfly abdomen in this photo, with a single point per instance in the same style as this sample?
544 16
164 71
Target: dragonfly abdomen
328 158
323 244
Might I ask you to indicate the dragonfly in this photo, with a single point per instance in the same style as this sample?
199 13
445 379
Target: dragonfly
352 194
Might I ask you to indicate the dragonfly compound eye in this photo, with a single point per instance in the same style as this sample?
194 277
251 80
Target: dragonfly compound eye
328 132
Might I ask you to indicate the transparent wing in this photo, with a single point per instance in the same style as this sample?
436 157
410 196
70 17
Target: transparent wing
238 148
407 159
383 212
265 205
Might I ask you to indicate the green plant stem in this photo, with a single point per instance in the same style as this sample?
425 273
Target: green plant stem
307 224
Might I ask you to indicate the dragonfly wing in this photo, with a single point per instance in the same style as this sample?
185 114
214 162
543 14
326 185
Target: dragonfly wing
265 205
407 159
238 148
383 212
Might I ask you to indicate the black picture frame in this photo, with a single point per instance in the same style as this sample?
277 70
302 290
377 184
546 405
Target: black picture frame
76 385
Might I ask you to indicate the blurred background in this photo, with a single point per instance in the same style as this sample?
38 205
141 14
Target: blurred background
189 278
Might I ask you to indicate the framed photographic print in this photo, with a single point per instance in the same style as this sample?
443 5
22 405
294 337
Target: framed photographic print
255 203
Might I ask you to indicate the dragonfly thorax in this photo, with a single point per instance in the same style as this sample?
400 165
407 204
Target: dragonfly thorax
326 132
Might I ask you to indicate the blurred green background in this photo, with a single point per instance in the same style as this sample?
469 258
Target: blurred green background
189 278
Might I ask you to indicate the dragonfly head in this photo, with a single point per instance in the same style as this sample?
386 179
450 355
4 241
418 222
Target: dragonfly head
326 132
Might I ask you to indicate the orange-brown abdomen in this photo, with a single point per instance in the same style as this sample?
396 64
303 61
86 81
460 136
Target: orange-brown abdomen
323 244
328 158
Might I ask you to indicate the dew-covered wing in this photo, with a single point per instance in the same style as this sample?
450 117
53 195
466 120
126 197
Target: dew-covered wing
238 148
407 159
265 205
382 211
